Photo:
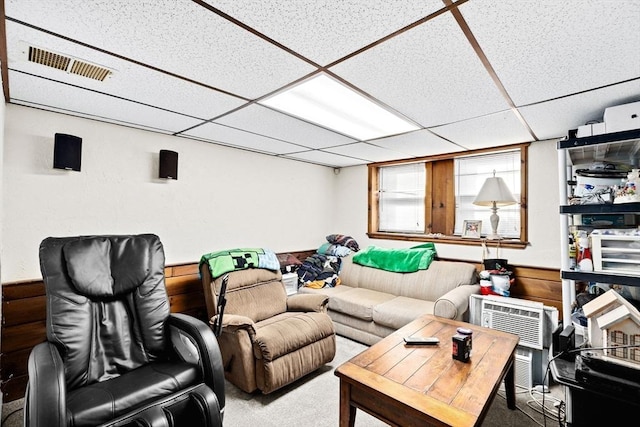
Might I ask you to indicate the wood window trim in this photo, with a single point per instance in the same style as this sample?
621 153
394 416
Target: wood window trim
441 198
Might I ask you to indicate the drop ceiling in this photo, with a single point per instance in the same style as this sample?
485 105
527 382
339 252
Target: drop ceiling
471 74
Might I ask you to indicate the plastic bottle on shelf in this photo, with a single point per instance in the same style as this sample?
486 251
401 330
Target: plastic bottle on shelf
572 253
585 262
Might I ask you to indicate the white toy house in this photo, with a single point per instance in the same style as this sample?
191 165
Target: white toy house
612 322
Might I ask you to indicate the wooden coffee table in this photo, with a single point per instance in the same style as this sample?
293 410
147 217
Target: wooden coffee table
423 385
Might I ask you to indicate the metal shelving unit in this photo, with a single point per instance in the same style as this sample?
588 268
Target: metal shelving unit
617 147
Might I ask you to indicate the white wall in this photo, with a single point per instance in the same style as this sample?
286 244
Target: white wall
224 198
544 220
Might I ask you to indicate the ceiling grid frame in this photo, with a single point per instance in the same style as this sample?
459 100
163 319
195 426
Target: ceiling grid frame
368 29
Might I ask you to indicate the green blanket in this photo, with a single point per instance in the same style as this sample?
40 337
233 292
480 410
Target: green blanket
222 262
397 260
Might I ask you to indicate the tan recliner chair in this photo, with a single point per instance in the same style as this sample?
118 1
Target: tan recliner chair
268 340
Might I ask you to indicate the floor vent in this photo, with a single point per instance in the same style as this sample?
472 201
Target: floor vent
68 64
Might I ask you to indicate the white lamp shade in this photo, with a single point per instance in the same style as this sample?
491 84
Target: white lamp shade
494 190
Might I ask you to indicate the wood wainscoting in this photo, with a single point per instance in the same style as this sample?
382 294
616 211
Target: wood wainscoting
24 307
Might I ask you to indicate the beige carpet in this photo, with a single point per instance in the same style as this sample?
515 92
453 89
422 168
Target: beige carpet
313 402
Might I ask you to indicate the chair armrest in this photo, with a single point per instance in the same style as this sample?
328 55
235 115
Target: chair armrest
46 394
191 335
455 303
307 302
234 322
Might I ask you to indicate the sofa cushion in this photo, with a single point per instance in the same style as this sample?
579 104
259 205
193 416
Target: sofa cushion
358 302
359 276
327 291
437 280
399 311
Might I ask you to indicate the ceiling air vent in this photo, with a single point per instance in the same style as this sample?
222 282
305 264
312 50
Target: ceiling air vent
68 64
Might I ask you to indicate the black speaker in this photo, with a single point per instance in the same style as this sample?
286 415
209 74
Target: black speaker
67 152
168 164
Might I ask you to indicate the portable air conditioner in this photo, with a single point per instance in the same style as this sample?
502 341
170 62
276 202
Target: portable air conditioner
550 313
523 319
524 367
519 316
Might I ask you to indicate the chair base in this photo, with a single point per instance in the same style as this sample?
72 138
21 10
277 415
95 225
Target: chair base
197 406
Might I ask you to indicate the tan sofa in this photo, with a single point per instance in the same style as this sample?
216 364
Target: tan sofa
268 340
370 303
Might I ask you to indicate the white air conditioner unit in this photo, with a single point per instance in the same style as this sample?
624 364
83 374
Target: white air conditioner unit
530 363
523 319
550 313
524 367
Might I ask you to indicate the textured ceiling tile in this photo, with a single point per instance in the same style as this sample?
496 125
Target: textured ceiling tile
553 119
177 36
325 31
45 93
326 159
237 138
267 122
541 50
495 130
365 151
430 73
128 81
553 48
417 144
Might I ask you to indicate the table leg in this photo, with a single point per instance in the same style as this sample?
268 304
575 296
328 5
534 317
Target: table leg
347 411
510 384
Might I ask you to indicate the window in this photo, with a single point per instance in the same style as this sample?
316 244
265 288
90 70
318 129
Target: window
430 198
401 198
470 173
618 338
635 352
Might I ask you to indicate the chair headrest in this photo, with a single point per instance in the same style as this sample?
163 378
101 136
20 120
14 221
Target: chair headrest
100 268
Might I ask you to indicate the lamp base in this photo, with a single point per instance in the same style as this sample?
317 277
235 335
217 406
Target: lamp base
494 237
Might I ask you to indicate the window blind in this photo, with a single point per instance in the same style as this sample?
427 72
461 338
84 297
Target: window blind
401 198
470 173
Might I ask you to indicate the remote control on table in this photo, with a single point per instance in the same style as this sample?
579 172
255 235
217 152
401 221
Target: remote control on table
421 340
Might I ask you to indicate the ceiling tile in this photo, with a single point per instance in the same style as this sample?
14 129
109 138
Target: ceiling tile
553 119
552 48
326 32
366 151
237 138
267 122
494 130
417 144
129 81
177 36
562 63
26 89
326 159
429 73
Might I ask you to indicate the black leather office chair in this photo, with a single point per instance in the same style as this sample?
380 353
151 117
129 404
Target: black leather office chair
114 355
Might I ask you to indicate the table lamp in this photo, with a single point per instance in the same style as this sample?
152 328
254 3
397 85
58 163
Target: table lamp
494 193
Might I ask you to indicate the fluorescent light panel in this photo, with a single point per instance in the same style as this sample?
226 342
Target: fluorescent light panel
327 102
